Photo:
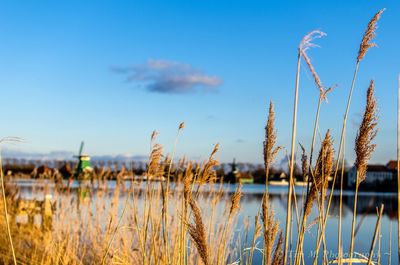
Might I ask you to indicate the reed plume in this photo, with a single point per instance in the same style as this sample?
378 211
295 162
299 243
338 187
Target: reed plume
304 46
154 168
187 196
208 174
198 233
256 234
271 227
235 200
270 151
304 162
278 253
321 174
306 43
364 149
369 35
187 182
366 134
325 162
319 184
153 136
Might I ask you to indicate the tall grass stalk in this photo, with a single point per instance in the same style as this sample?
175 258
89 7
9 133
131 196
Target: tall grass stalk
166 195
398 169
376 233
364 149
294 128
322 96
338 155
364 46
339 247
390 244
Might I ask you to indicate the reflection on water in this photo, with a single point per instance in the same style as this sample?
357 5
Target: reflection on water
251 201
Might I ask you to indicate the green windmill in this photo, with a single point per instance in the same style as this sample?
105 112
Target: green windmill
84 169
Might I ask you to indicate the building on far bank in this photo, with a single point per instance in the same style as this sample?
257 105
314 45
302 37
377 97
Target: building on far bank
378 177
392 164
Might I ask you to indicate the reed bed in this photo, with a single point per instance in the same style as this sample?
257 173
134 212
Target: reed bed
193 220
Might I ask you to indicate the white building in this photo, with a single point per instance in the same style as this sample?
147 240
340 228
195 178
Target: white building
376 174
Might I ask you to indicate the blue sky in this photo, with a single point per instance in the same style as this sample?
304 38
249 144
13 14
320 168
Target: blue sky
64 70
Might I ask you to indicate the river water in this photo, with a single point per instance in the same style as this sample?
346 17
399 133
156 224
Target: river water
251 201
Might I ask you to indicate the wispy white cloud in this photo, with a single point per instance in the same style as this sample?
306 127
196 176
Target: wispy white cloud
168 77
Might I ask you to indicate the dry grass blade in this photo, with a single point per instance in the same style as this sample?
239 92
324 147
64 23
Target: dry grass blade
278 253
198 233
369 35
235 200
366 134
271 227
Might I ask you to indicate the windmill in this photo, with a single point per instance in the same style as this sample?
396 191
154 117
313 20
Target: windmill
84 168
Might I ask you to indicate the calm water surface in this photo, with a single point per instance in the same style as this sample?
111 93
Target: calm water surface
251 200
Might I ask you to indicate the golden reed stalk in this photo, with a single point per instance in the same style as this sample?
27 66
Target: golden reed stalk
166 195
398 169
364 46
198 233
294 128
364 149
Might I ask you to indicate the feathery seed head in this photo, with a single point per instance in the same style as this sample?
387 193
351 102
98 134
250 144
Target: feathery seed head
155 160
366 134
270 151
322 171
153 135
306 42
235 199
369 35
304 161
197 232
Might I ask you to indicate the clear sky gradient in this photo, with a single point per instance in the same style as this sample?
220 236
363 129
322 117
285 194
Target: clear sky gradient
110 72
